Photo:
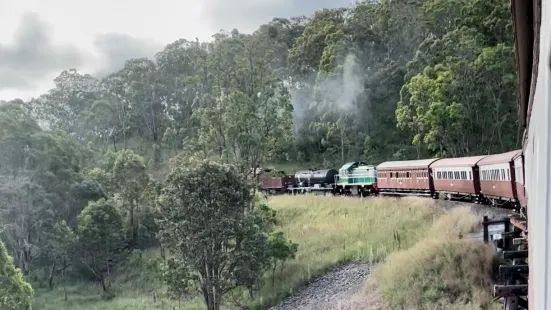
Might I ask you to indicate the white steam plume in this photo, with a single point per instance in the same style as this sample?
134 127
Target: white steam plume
338 93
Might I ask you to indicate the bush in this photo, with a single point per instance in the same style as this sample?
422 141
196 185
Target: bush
442 271
15 293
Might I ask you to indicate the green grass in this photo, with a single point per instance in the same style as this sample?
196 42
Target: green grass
135 286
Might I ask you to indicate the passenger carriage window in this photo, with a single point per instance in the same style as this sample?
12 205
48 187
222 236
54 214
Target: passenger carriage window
470 175
508 175
407 175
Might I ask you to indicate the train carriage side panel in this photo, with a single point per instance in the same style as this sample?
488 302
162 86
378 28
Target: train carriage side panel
457 176
518 165
408 176
497 176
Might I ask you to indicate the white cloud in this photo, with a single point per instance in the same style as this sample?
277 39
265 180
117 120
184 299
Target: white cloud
43 37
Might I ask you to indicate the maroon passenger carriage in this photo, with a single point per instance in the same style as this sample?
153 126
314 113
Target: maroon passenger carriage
405 177
457 177
498 178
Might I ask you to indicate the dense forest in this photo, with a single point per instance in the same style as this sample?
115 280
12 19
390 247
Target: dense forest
84 168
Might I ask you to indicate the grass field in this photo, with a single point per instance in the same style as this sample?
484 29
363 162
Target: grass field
441 271
332 230
329 230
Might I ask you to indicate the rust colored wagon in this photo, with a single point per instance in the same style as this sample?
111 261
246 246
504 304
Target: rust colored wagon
457 178
275 184
405 177
498 182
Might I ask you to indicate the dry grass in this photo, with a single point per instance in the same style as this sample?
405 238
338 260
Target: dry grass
442 271
332 230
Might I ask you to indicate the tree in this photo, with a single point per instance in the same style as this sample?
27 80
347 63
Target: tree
62 107
15 293
25 215
280 250
204 221
59 246
100 238
131 179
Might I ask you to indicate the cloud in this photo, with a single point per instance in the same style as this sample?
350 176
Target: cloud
33 56
247 15
116 48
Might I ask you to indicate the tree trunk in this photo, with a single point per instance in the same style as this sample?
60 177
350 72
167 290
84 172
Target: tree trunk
63 279
273 274
114 144
51 277
102 281
163 255
132 222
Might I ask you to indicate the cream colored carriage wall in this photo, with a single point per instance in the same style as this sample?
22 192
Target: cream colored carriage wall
538 174
519 177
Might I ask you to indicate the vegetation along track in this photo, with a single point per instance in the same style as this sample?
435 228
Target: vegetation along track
339 287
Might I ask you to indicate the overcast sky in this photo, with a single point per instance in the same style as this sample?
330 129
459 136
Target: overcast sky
40 38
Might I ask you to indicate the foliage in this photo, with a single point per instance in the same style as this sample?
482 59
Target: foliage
211 232
15 293
100 238
441 270
280 250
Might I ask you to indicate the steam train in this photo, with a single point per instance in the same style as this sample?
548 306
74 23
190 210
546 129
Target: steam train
489 179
